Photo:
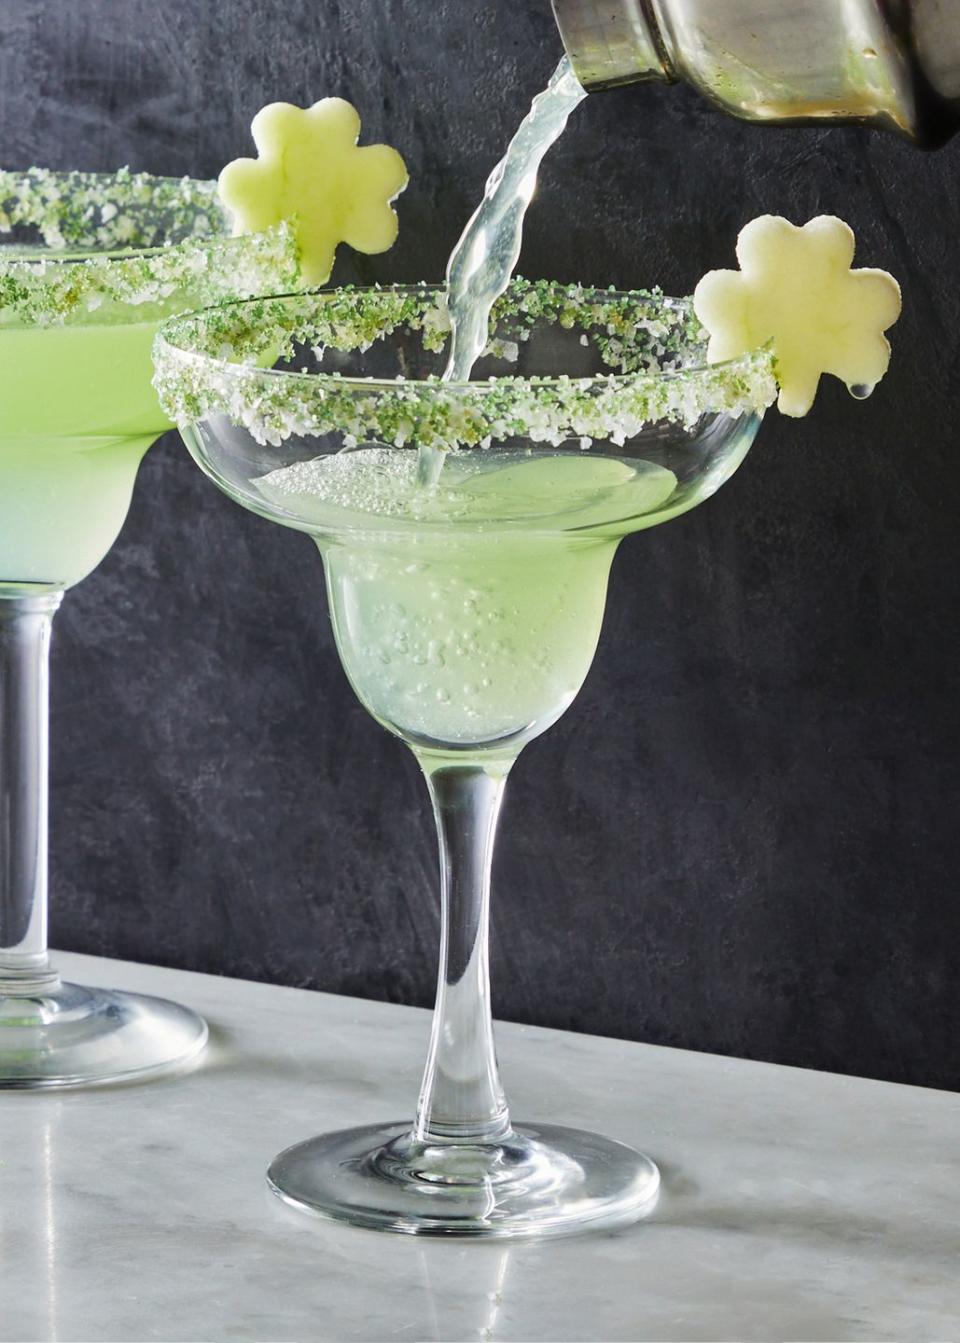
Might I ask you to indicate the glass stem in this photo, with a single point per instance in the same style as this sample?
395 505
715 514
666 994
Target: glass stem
461 1099
25 623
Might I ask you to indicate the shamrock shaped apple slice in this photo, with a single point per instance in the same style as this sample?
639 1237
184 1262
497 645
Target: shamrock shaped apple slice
310 170
795 290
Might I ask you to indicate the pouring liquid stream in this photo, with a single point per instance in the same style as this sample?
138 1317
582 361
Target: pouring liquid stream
484 258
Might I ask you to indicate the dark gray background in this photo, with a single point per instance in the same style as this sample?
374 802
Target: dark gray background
744 836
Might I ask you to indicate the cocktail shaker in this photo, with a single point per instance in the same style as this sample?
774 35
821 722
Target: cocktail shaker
893 63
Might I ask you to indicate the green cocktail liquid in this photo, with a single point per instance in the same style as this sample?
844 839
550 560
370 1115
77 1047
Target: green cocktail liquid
467 616
77 413
90 265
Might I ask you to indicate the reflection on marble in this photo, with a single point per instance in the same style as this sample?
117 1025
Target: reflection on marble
796 1205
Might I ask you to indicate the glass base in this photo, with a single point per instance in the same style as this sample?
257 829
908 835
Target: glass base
67 1035
537 1181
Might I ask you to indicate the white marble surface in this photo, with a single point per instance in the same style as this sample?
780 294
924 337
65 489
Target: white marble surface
797 1205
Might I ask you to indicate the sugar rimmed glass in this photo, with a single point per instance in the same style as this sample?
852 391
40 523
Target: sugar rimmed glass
90 264
466 618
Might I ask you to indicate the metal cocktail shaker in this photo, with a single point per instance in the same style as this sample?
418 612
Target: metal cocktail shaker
893 63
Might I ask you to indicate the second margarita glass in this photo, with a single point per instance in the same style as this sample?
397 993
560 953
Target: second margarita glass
466 616
89 266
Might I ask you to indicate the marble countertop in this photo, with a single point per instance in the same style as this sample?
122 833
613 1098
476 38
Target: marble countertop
796 1205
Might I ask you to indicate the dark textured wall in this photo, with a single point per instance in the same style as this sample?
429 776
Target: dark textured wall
743 837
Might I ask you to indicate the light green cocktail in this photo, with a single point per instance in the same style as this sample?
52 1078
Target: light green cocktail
477 622
77 413
90 265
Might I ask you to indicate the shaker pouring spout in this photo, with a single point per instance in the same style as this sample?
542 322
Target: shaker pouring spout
810 62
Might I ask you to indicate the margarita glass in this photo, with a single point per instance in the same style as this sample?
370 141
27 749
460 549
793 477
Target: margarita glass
466 616
89 266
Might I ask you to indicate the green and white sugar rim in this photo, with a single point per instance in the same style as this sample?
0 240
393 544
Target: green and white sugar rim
212 363
95 239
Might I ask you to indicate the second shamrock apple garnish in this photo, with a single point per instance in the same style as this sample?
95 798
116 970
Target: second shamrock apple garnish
311 171
796 292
